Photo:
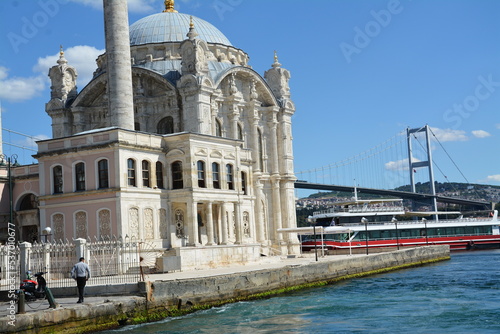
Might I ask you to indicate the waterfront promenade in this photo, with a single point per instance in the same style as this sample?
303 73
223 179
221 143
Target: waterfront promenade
181 290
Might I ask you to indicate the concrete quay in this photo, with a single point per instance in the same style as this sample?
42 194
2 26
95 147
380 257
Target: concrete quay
165 294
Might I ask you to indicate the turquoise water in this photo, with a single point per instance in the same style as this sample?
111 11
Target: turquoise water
457 296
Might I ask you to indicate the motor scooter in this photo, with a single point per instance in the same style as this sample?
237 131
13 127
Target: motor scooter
34 290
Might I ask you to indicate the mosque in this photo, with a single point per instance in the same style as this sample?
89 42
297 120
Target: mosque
175 140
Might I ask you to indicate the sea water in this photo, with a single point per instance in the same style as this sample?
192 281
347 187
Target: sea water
457 296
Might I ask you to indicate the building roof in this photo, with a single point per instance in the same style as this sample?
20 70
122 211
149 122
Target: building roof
173 27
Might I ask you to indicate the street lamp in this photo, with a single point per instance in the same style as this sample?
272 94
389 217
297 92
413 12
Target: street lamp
7 161
313 223
365 221
395 221
46 233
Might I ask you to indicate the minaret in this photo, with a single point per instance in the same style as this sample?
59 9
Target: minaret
119 66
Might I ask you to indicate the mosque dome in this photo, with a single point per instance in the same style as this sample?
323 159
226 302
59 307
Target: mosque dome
173 27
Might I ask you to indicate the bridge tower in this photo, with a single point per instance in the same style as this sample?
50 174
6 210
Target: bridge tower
419 164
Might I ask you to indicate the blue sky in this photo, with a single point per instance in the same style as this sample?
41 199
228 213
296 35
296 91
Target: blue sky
362 71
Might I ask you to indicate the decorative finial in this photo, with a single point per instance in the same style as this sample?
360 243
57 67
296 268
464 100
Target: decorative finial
192 31
61 59
276 62
169 6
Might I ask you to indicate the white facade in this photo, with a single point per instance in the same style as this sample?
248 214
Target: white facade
209 163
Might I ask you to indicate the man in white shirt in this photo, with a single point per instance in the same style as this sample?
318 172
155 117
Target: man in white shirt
80 273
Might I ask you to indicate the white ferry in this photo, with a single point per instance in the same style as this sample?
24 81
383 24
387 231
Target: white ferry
375 224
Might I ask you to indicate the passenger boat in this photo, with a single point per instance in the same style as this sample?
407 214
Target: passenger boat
380 223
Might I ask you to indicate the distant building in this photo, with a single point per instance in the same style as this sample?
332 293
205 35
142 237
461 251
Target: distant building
186 146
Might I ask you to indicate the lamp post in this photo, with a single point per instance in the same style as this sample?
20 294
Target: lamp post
395 221
313 223
7 161
365 221
46 233
426 237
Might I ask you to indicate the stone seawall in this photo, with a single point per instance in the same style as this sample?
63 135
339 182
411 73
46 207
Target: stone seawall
172 296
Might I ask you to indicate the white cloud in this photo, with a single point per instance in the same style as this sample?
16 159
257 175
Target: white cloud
444 135
399 165
493 178
81 57
17 89
480 134
135 6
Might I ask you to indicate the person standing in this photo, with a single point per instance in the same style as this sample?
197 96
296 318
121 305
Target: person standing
80 273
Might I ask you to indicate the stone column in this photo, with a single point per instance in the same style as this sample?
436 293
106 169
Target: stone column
259 217
273 124
210 224
255 144
119 66
192 219
81 248
224 225
237 222
24 258
275 179
275 188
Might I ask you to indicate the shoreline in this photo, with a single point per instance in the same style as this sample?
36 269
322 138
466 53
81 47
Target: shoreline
178 293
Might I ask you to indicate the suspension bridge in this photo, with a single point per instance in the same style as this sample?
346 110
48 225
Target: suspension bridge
388 166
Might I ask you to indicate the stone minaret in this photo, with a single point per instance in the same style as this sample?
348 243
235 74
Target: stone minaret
120 94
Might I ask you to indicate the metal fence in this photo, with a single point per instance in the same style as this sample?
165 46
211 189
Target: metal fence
113 260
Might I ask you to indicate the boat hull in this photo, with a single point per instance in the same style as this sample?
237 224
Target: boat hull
455 243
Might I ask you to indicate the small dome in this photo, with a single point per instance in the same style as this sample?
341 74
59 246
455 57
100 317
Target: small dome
172 27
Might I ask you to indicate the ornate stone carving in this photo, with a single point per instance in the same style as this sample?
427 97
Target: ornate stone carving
278 78
81 224
179 224
163 224
63 78
148 223
133 222
246 224
105 223
58 226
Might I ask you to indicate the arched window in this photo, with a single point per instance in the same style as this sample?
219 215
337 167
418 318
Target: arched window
240 132
201 174
165 126
80 176
131 172
146 174
177 180
218 128
229 177
57 176
244 183
159 175
216 175
28 203
102 170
